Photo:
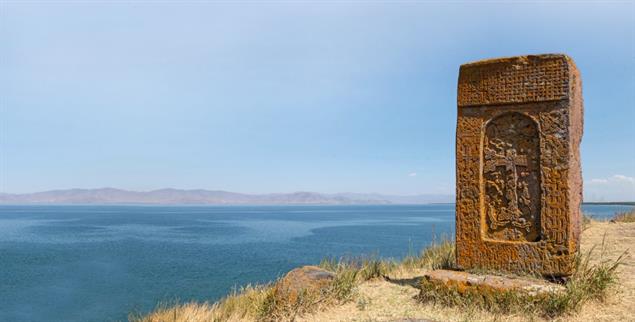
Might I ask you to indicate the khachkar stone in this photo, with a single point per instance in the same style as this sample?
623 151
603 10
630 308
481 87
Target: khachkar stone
518 183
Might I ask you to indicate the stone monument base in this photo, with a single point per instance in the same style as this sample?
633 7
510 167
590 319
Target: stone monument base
464 282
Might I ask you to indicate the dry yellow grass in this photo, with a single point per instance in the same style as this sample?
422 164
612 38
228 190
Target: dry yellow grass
242 305
180 313
626 216
369 297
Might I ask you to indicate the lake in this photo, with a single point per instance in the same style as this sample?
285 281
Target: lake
99 263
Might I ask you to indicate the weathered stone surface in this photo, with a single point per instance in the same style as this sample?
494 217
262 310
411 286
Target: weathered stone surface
307 279
518 183
464 282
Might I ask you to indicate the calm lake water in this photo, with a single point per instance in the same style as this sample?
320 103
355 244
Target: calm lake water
99 263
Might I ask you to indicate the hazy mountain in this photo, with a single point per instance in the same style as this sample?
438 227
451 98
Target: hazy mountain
405 200
210 197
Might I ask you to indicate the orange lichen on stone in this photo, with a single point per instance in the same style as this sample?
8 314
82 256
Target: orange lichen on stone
303 281
464 282
519 185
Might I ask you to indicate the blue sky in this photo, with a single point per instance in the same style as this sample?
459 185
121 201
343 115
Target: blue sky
279 97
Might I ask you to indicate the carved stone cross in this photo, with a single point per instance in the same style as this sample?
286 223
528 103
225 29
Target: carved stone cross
510 161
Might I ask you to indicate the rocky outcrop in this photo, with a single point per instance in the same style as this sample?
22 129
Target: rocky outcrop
306 280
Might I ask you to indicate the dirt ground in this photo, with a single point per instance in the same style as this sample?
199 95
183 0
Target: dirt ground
393 300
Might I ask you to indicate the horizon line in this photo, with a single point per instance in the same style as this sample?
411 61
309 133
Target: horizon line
221 190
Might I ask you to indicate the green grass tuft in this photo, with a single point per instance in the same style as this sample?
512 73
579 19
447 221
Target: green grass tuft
439 255
365 268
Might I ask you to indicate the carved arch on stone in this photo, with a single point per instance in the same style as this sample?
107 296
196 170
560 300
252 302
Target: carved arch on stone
510 178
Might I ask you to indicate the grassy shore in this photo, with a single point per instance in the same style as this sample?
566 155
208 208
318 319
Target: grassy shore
370 289
625 216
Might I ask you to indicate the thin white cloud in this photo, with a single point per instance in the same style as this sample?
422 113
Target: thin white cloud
617 178
623 178
412 174
617 187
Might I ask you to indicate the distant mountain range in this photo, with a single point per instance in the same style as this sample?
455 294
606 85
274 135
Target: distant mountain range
212 197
